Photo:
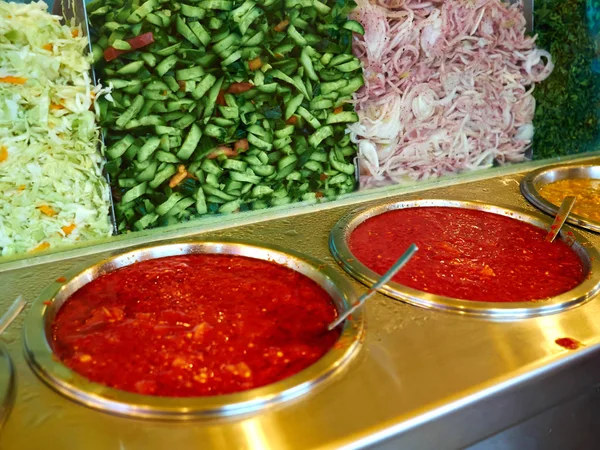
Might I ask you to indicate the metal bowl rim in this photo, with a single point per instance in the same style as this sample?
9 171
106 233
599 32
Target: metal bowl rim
533 196
41 358
508 310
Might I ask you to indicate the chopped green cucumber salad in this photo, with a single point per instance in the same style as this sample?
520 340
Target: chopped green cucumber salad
51 186
224 105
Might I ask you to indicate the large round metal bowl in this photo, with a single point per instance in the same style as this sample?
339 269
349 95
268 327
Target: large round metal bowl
37 336
589 256
535 180
7 384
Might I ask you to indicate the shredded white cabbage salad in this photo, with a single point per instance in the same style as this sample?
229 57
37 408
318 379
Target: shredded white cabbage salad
51 186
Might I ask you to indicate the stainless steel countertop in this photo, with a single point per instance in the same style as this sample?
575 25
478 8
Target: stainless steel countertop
418 369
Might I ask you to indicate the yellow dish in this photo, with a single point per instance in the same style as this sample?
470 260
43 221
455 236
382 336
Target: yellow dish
586 190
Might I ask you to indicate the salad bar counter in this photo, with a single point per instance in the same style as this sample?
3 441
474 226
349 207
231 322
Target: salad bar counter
194 195
418 376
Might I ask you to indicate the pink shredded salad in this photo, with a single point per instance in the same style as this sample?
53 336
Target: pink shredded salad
448 87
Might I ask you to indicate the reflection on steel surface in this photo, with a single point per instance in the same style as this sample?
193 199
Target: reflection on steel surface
590 258
37 335
7 384
534 181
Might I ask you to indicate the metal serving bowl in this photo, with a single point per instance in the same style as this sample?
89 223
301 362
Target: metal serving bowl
589 256
7 384
537 179
37 338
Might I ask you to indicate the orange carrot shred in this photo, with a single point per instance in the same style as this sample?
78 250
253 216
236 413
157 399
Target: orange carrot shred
75 33
3 153
179 176
13 80
47 47
338 110
68 229
42 246
47 210
61 279
22 187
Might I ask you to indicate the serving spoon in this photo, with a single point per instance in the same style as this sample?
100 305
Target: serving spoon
561 217
383 280
12 313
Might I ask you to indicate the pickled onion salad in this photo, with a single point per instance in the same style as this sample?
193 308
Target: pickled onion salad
448 87
51 185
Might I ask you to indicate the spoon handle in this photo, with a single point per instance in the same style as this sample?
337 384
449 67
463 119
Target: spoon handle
383 280
561 217
12 313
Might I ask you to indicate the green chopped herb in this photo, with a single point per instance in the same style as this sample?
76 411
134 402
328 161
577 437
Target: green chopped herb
566 117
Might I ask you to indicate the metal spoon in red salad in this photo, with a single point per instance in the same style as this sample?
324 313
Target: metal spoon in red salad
561 216
383 280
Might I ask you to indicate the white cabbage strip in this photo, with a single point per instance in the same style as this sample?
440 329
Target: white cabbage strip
51 186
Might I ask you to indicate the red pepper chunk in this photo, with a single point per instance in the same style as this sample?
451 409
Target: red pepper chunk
238 88
221 98
136 43
241 145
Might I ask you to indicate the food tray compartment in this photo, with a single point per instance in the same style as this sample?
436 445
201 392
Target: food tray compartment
37 336
537 179
75 10
583 248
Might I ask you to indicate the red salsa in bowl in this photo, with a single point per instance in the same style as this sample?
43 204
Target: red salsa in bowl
194 325
468 254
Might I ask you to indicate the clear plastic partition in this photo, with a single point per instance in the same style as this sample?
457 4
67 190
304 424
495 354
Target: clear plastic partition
216 113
